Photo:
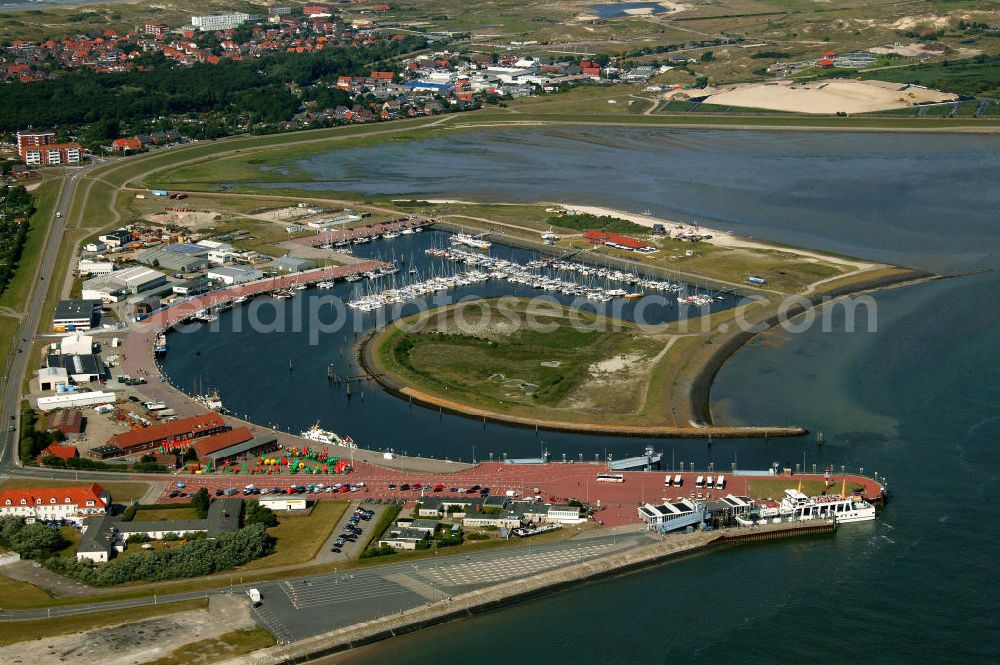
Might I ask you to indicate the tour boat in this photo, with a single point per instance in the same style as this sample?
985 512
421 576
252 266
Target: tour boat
843 509
319 435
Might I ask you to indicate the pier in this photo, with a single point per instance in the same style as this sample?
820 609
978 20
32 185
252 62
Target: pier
366 232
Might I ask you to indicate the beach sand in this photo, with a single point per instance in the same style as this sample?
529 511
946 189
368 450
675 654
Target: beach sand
826 97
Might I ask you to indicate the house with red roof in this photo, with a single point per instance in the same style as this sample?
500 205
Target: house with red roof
72 504
59 451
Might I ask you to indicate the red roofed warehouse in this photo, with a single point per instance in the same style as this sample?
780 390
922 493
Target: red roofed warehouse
169 434
55 503
67 421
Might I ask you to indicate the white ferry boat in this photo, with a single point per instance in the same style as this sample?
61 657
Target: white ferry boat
470 241
319 435
843 509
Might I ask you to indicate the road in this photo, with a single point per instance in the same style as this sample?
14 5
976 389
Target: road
32 316
297 608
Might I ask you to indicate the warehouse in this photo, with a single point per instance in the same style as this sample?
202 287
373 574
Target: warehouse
77 344
88 267
51 378
247 450
173 434
77 315
70 400
230 275
289 263
122 283
67 421
179 257
82 368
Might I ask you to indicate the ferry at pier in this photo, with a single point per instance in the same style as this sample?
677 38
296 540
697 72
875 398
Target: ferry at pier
160 347
319 435
843 509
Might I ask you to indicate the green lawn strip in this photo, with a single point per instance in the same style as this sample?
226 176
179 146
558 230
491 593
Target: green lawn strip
16 294
17 595
298 539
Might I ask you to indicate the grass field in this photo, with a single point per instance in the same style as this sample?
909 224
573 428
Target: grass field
121 491
155 514
298 539
16 293
17 595
12 632
533 361
228 645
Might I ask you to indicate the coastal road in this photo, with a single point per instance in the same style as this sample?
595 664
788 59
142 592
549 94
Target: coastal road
299 607
31 316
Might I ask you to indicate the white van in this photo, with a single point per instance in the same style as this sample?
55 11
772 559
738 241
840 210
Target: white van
720 483
678 480
709 482
699 481
666 481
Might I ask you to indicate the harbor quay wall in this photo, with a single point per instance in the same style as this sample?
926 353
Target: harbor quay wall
364 356
480 601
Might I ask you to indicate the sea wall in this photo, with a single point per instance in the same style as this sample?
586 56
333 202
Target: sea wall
669 548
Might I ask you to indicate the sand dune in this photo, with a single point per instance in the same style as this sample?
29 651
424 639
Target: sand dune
826 97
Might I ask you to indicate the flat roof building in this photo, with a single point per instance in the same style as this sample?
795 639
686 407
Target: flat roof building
289 263
230 275
175 259
80 314
122 283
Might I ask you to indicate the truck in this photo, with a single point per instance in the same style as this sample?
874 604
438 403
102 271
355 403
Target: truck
511 493
159 192
255 598
754 279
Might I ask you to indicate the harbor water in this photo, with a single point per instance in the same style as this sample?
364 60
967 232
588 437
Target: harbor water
915 401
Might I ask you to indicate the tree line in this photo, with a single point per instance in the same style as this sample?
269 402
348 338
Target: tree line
259 89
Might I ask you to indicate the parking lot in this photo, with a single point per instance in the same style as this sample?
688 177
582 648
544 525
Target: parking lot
296 609
351 550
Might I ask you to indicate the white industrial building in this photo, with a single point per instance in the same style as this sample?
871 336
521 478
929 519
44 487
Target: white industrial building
72 400
77 314
283 502
77 344
122 283
51 378
230 275
218 252
88 267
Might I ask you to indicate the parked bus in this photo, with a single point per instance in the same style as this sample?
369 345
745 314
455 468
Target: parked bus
610 478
